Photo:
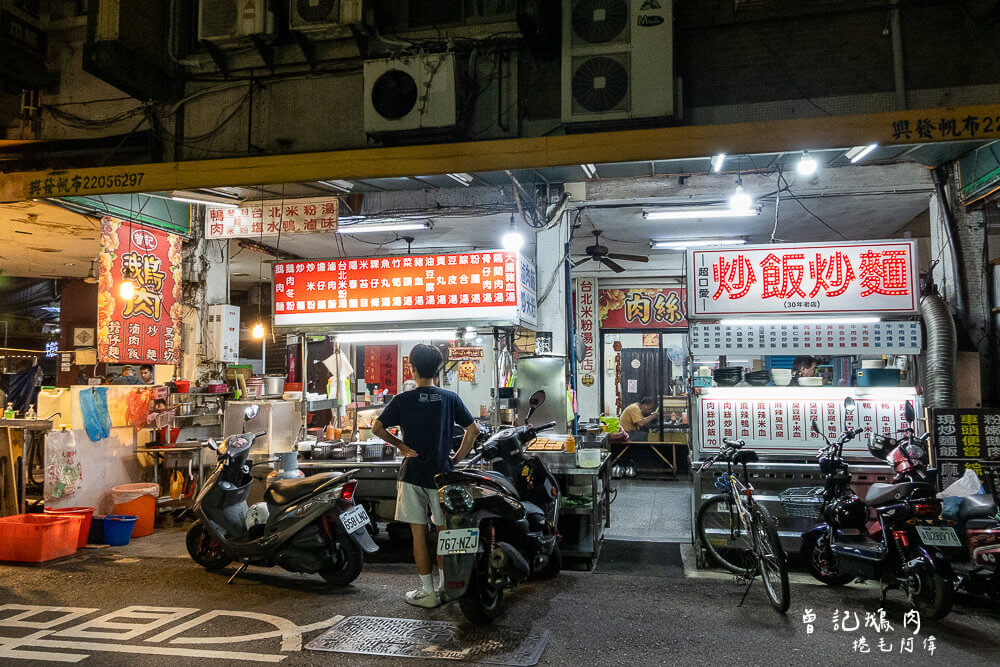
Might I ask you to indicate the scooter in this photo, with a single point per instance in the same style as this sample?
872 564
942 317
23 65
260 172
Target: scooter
500 523
968 535
847 546
309 525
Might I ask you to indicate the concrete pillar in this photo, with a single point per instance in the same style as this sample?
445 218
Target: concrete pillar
549 251
207 284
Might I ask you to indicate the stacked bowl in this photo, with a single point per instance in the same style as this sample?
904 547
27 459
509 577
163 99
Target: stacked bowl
781 376
728 377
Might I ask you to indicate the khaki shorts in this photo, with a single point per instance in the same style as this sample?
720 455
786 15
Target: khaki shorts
412 503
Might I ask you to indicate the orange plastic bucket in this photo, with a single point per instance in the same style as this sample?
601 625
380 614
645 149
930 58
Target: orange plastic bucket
143 507
85 513
34 538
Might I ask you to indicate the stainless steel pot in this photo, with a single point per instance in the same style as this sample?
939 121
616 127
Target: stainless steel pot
183 409
274 384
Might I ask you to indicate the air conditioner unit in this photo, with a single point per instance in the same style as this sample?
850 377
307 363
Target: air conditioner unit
617 60
324 15
410 93
230 20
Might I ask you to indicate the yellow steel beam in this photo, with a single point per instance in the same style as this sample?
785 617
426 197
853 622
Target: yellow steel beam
896 127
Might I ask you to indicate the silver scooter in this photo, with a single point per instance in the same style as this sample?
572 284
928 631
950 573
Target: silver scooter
309 525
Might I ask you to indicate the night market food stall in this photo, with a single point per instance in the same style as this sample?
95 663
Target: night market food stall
849 307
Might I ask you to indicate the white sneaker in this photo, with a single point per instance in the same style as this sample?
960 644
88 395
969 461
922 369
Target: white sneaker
421 598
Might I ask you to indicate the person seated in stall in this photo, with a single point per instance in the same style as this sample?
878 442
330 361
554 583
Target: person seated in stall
127 377
803 367
426 416
636 417
146 373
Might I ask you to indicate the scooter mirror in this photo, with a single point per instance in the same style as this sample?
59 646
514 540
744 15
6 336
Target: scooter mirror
213 445
910 413
815 427
536 398
250 412
849 405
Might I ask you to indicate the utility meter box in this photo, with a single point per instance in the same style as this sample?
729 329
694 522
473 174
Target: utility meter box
223 333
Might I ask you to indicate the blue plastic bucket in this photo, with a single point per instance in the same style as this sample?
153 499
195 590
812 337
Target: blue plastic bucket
118 529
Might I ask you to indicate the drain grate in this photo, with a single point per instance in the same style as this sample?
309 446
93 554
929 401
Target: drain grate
438 640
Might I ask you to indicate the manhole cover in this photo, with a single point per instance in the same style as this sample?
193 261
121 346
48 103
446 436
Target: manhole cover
438 640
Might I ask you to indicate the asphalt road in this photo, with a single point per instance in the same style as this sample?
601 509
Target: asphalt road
652 616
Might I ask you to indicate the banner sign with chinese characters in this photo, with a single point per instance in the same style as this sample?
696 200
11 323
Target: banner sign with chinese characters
587 323
472 353
783 338
962 439
146 328
643 308
269 218
807 278
488 286
779 423
380 366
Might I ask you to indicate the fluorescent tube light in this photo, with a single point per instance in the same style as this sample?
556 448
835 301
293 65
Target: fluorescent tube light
382 227
791 320
717 161
463 178
699 213
858 152
682 244
390 336
589 170
203 202
833 393
340 186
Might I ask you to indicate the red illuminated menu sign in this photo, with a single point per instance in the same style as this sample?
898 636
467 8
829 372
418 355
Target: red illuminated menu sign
488 285
146 328
808 278
643 308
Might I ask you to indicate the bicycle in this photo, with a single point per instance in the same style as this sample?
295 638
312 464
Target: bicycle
738 532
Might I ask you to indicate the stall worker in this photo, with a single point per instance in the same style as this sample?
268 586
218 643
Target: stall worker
146 373
803 367
127 377
636 417
426 416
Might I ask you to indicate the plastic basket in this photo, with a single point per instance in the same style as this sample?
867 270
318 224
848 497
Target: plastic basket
34 538
85 513
804 502
371 451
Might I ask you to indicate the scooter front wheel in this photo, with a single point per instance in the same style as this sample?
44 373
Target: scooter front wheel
204 550
482 601
347 563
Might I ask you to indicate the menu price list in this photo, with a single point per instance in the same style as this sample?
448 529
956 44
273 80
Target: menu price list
965 439
874 338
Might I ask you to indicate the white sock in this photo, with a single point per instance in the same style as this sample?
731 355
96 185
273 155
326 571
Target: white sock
427 581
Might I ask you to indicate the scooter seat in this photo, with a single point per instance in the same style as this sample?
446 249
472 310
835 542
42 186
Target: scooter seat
883 494
979 506
285 491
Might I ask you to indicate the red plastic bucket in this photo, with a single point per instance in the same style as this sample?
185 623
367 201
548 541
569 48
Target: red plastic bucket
87 513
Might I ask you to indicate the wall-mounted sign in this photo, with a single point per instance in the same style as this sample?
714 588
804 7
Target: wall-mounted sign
777 338
83 336
465 353
808 278
643 308
380 366
586 321
963 438
488 286
779 423
147 327
270 218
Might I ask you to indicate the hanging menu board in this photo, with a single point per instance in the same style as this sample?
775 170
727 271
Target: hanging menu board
963 438
875 338
779 422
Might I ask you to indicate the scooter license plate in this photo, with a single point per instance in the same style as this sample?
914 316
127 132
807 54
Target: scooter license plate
354 518
939 536
458 541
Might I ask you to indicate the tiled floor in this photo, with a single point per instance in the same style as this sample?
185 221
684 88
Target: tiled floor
651 511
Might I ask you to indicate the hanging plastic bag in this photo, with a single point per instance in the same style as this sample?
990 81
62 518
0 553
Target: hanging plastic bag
101 401
137 410
91 420
63 473
966 485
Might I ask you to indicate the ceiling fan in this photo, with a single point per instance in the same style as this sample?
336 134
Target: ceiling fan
603 255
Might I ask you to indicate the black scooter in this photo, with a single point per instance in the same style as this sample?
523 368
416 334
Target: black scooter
891 551
309 525
501 523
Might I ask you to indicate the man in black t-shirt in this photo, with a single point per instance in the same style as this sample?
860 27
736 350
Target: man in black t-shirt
426 416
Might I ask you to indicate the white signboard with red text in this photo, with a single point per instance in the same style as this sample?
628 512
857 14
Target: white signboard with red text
494 286
804 278
786 337
777 421
271 218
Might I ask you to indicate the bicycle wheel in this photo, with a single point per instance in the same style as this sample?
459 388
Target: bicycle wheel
773 569
721 532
